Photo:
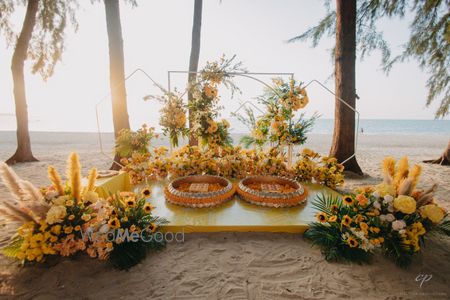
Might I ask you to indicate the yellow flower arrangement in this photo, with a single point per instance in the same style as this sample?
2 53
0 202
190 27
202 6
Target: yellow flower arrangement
393 216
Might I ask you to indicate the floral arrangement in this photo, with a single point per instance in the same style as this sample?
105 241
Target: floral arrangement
205 101
231 162
129 142
124 229
151 165
323 170
63 219
393 217
173 115
279 123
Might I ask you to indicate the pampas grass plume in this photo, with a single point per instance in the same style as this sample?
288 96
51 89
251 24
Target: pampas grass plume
56 180
74 175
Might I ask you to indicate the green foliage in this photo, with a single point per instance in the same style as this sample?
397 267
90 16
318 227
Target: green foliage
13 247
323 203
444 226
129 254
428 43
47 40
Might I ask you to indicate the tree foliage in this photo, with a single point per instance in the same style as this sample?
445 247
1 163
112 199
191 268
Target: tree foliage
428 43
47 41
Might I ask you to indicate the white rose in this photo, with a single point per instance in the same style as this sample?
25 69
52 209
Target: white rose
390 217
398 225
382 218
377 205
388 198
390 208
403 231
376 194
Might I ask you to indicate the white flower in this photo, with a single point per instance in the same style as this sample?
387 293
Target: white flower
388 198
403 231
382 218
377 205
376 194
390 208
390 217
104 228
398 225
56 214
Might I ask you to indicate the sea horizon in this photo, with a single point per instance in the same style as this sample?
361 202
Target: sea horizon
324 127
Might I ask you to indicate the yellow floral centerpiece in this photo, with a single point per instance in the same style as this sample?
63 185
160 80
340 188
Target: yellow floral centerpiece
63 219
394 216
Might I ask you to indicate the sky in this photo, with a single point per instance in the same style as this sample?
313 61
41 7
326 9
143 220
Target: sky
157 38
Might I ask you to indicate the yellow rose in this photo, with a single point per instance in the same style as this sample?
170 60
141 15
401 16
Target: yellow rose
405 204
432 212
385 189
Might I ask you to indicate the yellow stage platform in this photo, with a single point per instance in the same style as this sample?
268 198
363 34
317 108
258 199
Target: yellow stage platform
235 215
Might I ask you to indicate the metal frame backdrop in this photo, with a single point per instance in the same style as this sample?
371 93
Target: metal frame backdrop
250 75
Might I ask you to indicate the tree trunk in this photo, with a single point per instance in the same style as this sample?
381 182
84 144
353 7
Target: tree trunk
444 160
116 71
193 61
23 152
345 57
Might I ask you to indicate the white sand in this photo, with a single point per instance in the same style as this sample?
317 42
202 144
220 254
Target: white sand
234 265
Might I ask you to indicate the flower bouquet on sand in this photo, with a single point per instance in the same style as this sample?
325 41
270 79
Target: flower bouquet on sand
63 219
394 217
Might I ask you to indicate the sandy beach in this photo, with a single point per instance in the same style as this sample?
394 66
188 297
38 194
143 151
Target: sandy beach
234 265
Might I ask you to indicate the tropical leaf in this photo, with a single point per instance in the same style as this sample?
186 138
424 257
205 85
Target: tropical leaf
13 248
323 203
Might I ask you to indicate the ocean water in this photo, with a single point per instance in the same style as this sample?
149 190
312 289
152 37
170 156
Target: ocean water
421 127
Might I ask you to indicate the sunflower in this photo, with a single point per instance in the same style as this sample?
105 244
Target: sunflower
148 207
130 202
146 192
152 227
346 220
348 200
332 219
352 242
321 217
114 223
334 208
